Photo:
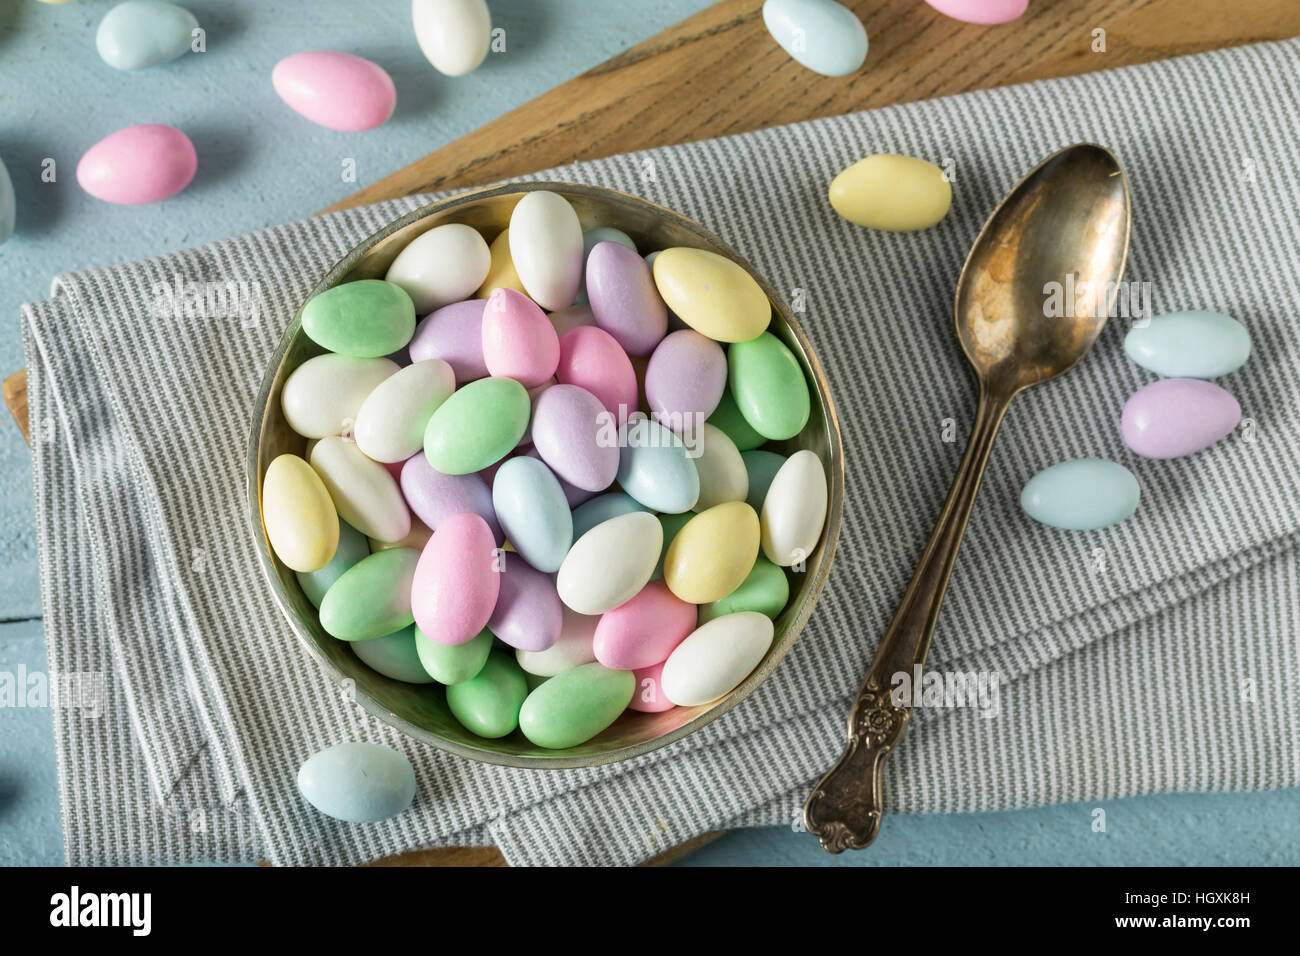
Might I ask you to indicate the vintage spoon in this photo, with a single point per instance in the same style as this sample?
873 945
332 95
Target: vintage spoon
1066 223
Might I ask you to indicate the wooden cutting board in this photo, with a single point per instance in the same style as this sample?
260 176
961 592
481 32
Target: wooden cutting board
719 73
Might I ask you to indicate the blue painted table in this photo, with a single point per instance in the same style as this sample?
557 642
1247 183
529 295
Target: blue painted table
258 165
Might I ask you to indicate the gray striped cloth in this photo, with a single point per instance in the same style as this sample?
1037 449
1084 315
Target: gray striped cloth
1156 655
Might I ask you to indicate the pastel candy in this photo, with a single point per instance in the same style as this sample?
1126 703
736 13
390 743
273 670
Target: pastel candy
713 553
501 268
590 237
609 564
824 36
649 697
592 359
444 265
144 33
391 421
336 90
453 663
589 514
367 318
685 379
454 334
457 580
546 247
769 387
372 598
729 418
1178 416
1189 345
518 340
712 294
302 525
644 630
435 497
352 547
571 649
981 11
655 467
533 512
893 193
394 655
454 35
1081 495
576 705
624 299
761 467
479 424
488 703
716 658
765 590
323 395
138 165
363 491
721 469
794 510
358 782
571 432
528 613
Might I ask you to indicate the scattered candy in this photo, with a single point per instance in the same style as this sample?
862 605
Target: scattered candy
824 36
1189 345
1081 495
358 782
1178 416
981 11
143 33
894 193
336 90
138 165
454 35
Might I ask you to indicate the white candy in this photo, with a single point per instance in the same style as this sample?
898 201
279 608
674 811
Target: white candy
324 394
571 649
723 476
390 424
609 564
546 248
364 493
716 657
453 34
444 265
794 510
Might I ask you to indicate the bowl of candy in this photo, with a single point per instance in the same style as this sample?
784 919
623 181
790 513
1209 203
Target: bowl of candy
547 473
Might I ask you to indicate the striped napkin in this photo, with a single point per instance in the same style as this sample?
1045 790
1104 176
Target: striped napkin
1156 655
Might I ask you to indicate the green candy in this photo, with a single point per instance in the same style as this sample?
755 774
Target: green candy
479 425
365 319
372 598
728 418
453 663
353 546
488 703
769 387
393 655
671 525
765 590
761 466
575 705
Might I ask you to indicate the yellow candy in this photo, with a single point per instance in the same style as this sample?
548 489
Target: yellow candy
712 294
896 193
501 273
713 553
299 514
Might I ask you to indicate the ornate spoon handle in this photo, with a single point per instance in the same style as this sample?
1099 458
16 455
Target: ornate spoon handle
844 810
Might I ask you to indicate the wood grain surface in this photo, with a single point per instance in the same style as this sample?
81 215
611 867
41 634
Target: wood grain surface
719 73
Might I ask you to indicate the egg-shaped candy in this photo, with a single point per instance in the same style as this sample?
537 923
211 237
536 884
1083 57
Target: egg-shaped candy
572 648
457 580
501 268
367 318
576 705
444 265
358 782
728 417
713 295
769 387
352 547
453 663
138 165
1084 494
488 703
685 379
336 90
590 238
981 11
1178 416
575 436
143 33
716 658
893 193
644 630
301 522
765 589
649 697
713 553
391 421
323 395
823 35
794 509
546 247
528 612
478 425
721 469
363 491
372 598
519 342
435 497
533 512
394 655
592 359
1192 344
453 34
454 334
624 299
609 564
655 467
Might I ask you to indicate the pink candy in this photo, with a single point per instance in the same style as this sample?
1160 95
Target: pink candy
645 630
519 342
138 165
591 358
336 90
981 11
456 582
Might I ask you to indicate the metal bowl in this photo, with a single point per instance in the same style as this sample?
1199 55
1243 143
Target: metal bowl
420 711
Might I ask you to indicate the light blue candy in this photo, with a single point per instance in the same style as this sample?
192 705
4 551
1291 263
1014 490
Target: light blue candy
353 546
587 516
762 467
144 33
1189 345
1081 495
533 511
394 655
358 782
589 240
655 469
8 205
822 35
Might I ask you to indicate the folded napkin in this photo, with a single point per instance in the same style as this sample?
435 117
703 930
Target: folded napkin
1155 655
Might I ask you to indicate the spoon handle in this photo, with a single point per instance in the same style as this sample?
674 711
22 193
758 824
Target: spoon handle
844 810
